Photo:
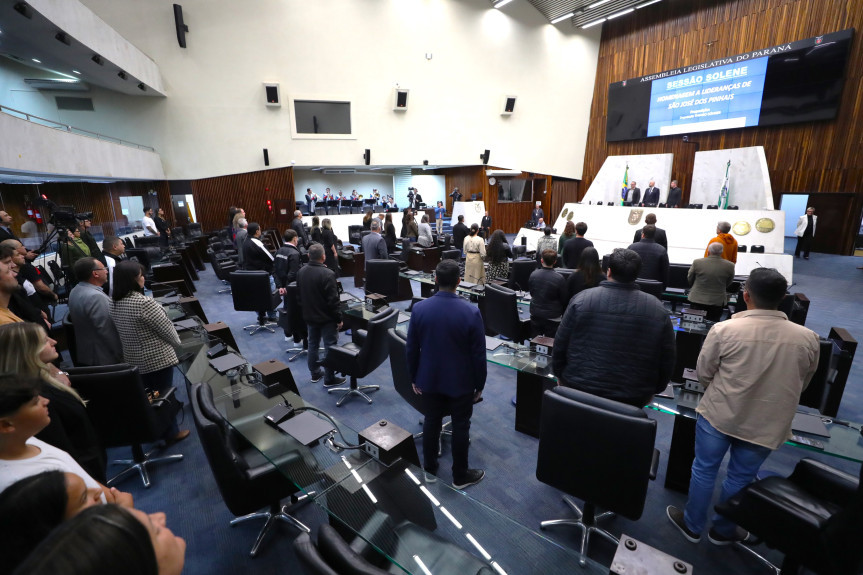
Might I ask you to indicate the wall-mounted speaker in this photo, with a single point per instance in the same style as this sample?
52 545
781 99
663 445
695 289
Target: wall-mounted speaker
271 91
181 27
484 157
266 157
367 156
401 100
508 105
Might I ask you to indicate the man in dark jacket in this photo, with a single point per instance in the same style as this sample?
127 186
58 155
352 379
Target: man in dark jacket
258 257
297 226
459 233
318 296
447 331
287 262
548 295
661 238
654 258
616 341
572 248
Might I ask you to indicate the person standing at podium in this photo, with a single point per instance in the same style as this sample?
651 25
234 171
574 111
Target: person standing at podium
537 213
754 367
805 232
651 194
633 194
446 326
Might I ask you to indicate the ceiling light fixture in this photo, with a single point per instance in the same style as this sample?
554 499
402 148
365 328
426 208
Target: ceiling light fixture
594 23
647 4
142 87
621 13
37 61
501 3
98 59
122 74
562 18
62 37
77 72
595 4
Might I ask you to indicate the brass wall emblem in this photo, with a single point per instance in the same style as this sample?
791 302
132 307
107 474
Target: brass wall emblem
635 216
564 212
477 207
765 225
741 228
569 217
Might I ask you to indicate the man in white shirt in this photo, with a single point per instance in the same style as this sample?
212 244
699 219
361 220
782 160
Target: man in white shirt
148 223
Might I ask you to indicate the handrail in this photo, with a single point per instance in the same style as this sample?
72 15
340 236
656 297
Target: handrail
71 129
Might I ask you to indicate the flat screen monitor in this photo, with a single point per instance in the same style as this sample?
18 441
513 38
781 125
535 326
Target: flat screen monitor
795 82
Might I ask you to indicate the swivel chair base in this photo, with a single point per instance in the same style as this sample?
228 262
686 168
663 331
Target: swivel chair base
354 389
787 566
139 463
274 513
297 351
256 327
444 430
587 520
226 289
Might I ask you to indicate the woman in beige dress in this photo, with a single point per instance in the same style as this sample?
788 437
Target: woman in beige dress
474 249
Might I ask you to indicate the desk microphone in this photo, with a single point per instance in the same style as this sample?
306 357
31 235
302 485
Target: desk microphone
759 264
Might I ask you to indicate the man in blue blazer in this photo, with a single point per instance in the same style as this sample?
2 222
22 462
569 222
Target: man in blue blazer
446 361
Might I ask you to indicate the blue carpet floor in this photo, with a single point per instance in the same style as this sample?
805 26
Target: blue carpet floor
188 494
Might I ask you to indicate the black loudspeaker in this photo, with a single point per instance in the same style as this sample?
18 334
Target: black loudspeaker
181 27
367 156
266 157
272 92
401 102
508 106
484 156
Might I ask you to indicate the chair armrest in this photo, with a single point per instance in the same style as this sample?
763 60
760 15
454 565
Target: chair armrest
338 350
359 336
825 481
166 397
654 465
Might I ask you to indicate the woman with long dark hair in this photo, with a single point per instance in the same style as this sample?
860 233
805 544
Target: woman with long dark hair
367 220
148 336
39 503
409 225
316 233
588 274
390 233
568 234
498 252
328 239
109 539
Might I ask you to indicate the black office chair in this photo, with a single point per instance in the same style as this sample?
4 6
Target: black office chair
653 287
451 255
367 350
296 324
195 231
519 273
598 450
756 250
251 292
741 248
814 516
712 207
519 251
355 234
502 315
310 558
382 277
678 276
142 256
223 269
247 480
71 342
122 414
403 384
146 241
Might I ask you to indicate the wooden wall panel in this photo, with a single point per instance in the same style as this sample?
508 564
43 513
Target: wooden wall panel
810 158
250 191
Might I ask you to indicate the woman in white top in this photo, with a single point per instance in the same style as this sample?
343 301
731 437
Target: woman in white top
425 238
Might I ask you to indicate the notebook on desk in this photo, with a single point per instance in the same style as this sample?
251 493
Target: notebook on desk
812 424
467 285
345 296
227 362
492 343
185 324
412 273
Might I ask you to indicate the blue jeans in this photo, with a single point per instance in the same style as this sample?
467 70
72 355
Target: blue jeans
710 448
330 335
